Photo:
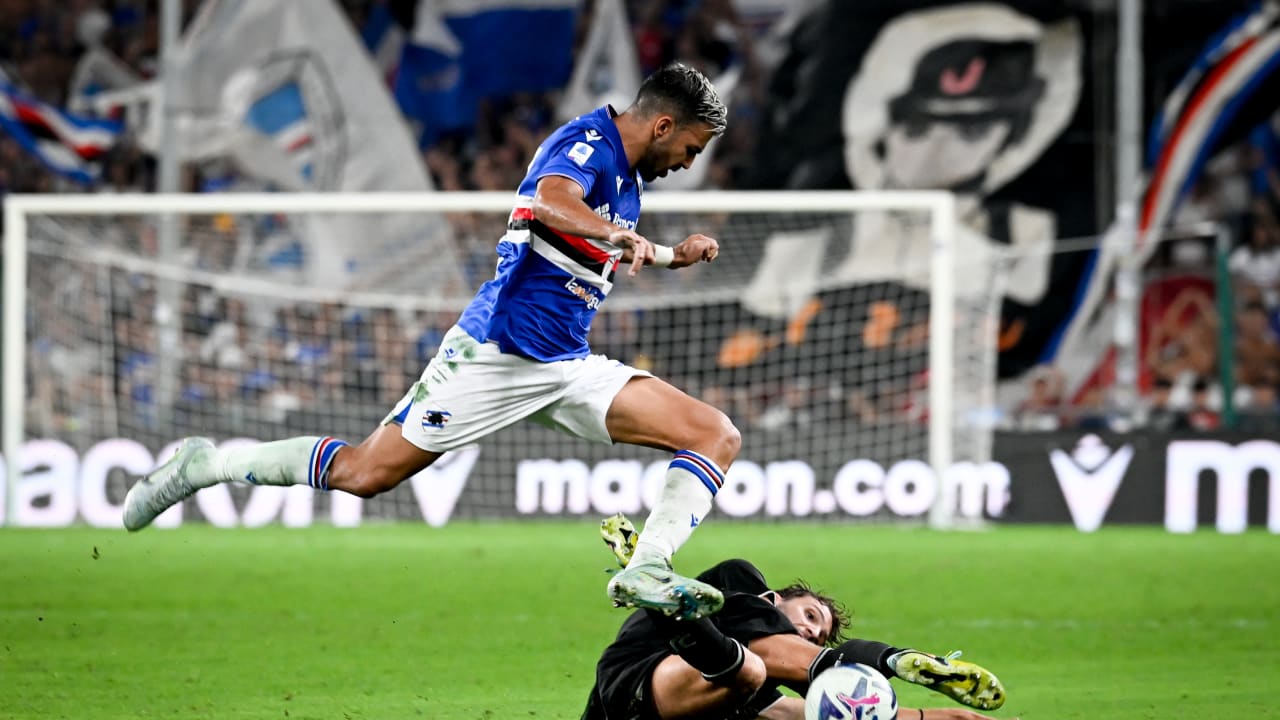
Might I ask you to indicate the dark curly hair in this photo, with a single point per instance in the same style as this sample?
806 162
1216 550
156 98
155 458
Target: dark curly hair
840 617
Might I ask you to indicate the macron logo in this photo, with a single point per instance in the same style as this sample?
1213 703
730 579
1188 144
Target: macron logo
593 136
693 521
619 183
1089 478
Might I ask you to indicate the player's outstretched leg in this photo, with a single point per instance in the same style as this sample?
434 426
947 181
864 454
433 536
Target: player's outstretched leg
965 682
197 464
648 580
653 413
165 486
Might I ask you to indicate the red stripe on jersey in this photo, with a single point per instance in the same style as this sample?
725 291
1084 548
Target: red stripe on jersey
584 246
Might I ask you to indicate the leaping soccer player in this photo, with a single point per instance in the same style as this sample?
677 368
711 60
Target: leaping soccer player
519 350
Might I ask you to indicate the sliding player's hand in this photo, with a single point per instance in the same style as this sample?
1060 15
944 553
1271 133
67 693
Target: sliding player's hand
639 248
695 248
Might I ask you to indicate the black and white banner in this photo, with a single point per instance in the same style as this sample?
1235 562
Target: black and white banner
1228 482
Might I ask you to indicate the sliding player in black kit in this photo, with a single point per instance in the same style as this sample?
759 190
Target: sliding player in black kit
731 665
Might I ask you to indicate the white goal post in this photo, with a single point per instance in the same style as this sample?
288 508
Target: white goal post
95 213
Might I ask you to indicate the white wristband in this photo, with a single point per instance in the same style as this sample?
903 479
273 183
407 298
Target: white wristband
663 255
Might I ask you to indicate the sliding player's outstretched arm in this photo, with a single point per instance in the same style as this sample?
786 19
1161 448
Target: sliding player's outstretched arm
790 708
794 661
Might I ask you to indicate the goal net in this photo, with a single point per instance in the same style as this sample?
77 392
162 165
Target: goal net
850 336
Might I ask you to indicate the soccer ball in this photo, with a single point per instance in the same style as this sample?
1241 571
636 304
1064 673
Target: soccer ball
850 692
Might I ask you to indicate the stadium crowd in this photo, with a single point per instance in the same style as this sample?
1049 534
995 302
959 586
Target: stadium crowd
275 361
1184 344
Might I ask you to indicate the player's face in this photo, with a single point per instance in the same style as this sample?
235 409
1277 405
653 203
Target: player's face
672 148
811 618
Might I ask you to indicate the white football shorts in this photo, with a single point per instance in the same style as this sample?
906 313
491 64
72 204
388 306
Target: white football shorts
471 389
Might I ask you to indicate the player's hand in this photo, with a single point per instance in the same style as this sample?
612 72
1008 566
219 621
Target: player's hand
641 249
695 248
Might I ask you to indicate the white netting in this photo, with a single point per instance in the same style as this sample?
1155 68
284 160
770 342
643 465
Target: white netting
811 331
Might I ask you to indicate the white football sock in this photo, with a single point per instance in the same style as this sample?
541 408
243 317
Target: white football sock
296 461
692 482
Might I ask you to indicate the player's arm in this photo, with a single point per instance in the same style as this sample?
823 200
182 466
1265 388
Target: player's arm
792 708
694 249
559 203
793 661
786 658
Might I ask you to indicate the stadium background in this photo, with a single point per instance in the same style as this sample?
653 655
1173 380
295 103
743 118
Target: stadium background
1200 451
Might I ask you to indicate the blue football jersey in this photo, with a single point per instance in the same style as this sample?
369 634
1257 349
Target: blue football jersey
549 284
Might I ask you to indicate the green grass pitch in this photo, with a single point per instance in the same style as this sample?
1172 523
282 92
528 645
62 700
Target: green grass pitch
505 620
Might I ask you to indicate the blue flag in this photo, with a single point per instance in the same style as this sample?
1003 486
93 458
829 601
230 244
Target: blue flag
461 52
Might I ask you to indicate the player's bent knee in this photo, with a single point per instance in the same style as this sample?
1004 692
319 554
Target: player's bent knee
722 437
732 437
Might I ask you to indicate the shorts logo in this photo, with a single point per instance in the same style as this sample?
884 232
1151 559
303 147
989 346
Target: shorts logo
580 152
435 419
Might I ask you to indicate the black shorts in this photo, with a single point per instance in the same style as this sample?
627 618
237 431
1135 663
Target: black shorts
623 693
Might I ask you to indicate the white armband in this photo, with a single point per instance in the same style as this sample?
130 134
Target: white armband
663 255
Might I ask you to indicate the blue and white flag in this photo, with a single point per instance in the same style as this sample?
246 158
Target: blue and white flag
66 144
1228 90
462 51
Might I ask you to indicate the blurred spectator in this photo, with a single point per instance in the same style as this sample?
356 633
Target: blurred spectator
1205 404
1257 358
1042 409
1257 263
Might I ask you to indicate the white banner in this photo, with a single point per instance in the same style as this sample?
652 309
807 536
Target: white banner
607 68
287 90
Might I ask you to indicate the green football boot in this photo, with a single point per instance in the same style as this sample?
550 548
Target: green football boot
965 682
621 536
